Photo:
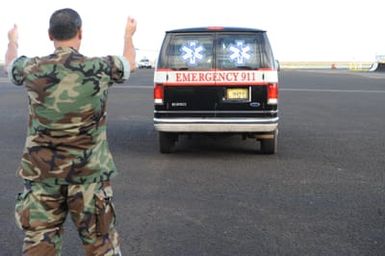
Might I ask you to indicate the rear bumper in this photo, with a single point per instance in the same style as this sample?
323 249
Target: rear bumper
216 124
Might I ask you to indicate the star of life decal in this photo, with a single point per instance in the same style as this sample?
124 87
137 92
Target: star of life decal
192 52
239 52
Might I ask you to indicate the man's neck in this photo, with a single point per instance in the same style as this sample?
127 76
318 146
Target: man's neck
68 43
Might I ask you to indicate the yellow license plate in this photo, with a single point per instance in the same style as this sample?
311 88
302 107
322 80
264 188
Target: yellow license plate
237 93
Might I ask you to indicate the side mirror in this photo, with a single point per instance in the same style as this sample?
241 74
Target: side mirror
277 65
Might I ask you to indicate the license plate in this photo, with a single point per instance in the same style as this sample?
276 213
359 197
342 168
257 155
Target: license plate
237 93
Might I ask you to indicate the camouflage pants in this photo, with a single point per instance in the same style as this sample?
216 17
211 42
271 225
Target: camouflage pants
42 209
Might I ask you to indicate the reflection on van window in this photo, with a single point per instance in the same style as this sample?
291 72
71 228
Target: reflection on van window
191 53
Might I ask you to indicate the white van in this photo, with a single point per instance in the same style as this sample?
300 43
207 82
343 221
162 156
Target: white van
216 80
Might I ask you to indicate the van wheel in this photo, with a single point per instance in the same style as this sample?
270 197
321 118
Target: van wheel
270 146
167 142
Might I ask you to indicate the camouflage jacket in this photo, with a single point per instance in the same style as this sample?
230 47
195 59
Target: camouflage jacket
67 93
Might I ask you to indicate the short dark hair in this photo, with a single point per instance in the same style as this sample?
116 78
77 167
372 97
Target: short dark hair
64 24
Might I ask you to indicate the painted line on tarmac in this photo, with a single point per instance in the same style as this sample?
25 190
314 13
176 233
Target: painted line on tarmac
9 84
281 89
4 80
133 86
330 90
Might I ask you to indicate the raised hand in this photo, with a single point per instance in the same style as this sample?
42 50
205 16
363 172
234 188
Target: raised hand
13 35
130 27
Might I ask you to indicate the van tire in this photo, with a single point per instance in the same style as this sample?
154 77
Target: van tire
270 146
167 142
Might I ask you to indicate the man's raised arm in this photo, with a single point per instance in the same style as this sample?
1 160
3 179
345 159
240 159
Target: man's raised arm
129 49
11 54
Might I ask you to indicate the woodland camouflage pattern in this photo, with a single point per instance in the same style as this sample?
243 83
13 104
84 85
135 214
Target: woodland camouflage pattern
66 163
66 139
40 213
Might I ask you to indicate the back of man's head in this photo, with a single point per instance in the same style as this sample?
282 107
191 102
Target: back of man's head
64 24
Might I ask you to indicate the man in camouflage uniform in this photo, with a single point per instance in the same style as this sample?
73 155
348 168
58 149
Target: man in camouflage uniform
66 164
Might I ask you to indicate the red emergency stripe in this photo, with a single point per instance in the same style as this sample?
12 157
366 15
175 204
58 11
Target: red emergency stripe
214 84
215 78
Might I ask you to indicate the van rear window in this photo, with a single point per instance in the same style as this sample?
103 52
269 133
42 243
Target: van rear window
216 51
238 52
190 52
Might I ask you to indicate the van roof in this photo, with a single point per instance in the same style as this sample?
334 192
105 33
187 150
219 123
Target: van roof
214 29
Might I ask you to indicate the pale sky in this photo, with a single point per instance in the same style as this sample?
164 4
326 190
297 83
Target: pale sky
299 30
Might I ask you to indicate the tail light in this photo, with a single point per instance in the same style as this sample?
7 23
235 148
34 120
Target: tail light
158 94
272 94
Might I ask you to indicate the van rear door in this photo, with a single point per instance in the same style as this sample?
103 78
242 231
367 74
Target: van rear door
215 74
187 59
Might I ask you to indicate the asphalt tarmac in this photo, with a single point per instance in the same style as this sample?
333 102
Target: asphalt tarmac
322 194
